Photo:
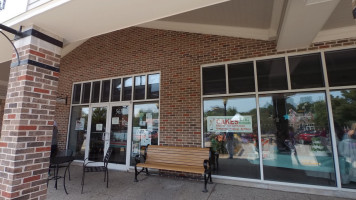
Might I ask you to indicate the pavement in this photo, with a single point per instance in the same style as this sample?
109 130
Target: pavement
155 187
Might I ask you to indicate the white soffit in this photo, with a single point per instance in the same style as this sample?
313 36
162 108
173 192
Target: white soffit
302 22
81 19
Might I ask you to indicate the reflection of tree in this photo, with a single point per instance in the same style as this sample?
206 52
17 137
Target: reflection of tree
344 108
99 116
320 114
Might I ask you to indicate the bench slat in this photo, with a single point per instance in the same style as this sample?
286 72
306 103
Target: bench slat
173 167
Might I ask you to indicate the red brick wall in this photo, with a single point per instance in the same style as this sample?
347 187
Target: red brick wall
2 106
178 55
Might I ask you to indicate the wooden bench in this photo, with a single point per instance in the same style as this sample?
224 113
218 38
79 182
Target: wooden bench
182 159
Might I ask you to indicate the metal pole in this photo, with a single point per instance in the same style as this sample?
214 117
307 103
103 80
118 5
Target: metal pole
10 30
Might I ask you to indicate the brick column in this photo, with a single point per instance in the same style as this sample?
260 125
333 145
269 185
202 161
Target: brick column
28 116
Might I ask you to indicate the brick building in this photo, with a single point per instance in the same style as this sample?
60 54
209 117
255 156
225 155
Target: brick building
271 96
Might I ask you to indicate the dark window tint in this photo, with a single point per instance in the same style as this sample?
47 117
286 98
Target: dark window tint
153 86
306 71
105 91
341 67
116 89
95 92
214 80
241 78
140 82
272 75
127 89
86 92
76 93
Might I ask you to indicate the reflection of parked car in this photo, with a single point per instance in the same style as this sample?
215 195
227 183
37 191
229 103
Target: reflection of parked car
306 136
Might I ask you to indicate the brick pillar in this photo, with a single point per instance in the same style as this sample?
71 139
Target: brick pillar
28 116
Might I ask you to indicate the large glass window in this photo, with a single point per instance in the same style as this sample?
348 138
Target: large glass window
153 86
78 131
105 91
95 92
341 67
306 71
344 107
230 130
272 74
86 93
127 89
76 93
140 83
214 81
116 89
145 126
296 141
241 77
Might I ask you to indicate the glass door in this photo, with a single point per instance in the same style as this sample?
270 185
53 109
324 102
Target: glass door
98 134
119 135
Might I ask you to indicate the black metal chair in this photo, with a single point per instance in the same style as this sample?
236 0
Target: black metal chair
104 168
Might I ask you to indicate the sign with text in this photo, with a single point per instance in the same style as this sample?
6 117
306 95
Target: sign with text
237 123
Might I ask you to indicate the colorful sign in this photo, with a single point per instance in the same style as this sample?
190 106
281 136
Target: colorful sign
237 123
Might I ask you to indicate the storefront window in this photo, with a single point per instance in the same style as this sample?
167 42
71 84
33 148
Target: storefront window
116 89
153 86
127 89
241 77
344 106
306 71
230 131
86 92
95 92
78 131
145 125
272 74
296 141
76 93
214 80
139 92
105 91
341 67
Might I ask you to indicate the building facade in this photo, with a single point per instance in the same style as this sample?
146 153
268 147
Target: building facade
209 89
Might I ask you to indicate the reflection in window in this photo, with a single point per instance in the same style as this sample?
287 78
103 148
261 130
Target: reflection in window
116 89
139 92
341 67
306 71
153 86
78 131
86 92
230 130
145 123
344 107
127 90
272 74
105 91
241 77
76 93
214 80
95 92
296 140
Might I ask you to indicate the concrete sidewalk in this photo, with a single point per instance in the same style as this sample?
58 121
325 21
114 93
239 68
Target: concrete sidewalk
122 186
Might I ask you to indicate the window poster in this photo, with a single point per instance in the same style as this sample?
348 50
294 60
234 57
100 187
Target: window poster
79 125
237 123
99 127
115 120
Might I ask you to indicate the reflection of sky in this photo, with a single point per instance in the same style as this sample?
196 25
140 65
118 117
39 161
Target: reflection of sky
152 107
295 99
336 94
153 78
241 104
127 82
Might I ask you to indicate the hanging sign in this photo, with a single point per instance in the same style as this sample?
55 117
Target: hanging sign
237 123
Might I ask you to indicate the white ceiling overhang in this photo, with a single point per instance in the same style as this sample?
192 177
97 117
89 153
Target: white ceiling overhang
77 20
